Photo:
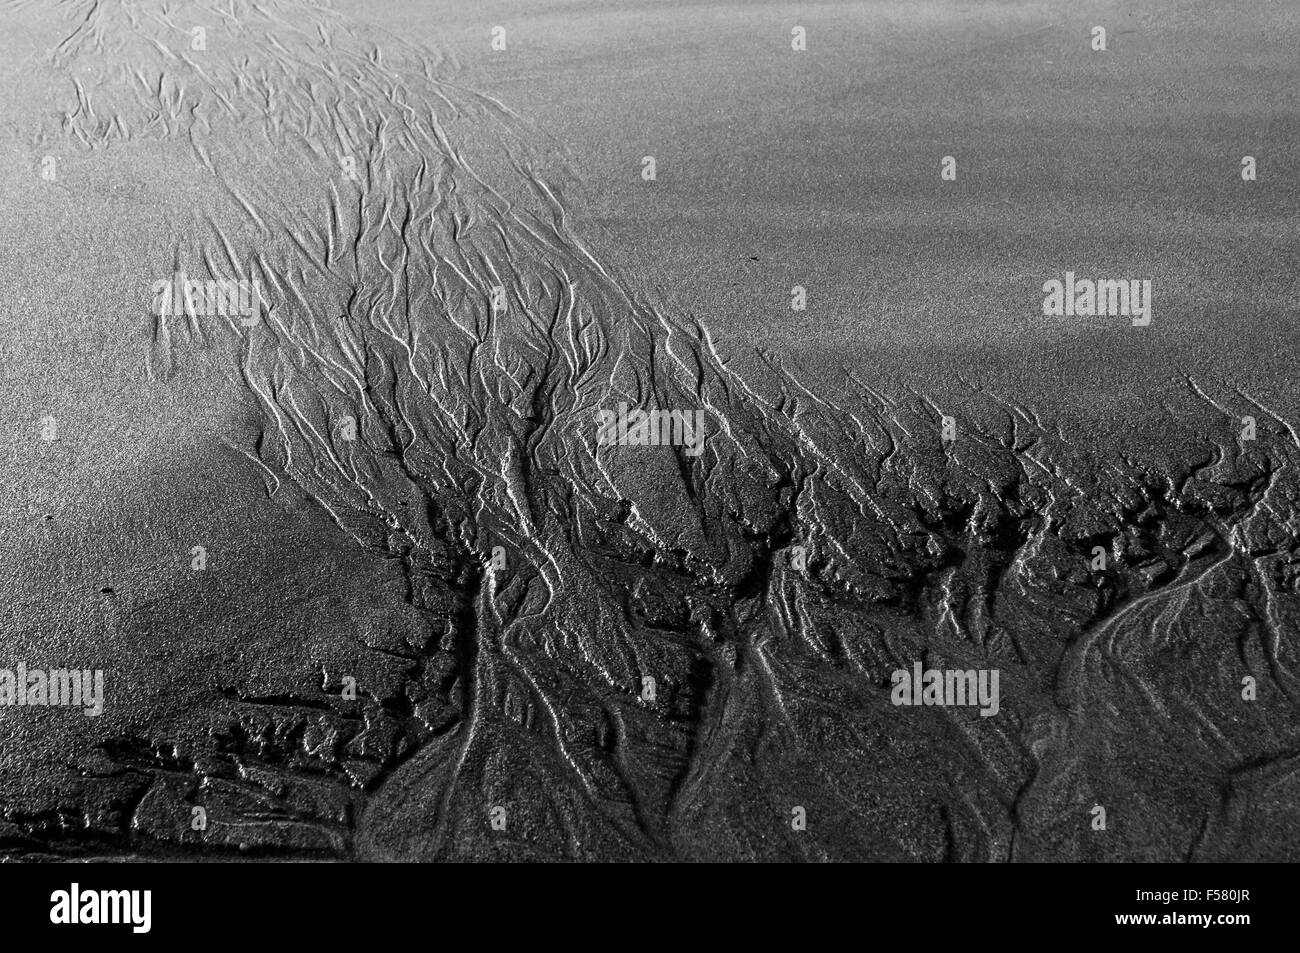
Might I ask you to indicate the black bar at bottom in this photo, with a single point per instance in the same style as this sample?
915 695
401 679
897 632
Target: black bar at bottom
374 903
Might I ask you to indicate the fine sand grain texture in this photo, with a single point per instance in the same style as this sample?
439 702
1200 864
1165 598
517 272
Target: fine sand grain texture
648 431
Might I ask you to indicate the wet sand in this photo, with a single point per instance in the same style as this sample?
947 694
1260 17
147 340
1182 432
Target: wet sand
356 672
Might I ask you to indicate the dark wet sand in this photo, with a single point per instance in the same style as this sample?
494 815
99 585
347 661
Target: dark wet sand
775 168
